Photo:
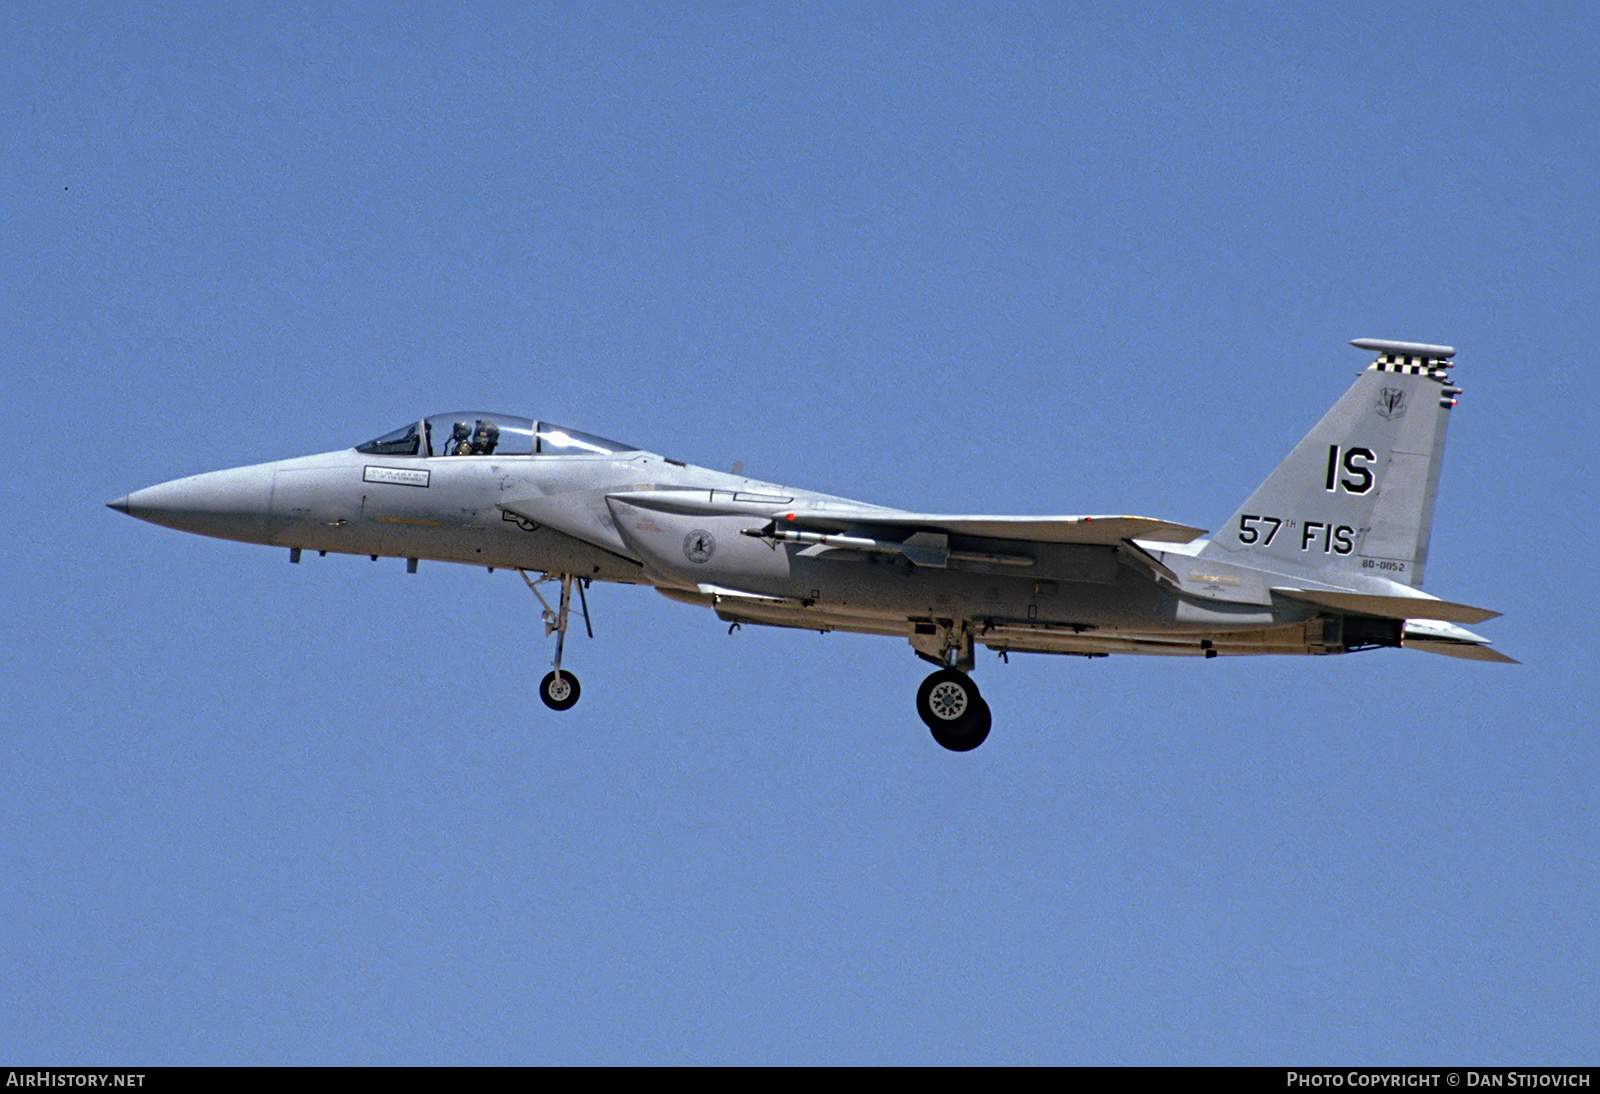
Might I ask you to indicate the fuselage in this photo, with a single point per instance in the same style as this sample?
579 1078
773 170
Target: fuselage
608 512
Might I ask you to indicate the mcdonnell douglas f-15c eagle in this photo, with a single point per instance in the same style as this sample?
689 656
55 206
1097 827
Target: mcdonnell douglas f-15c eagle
1325 557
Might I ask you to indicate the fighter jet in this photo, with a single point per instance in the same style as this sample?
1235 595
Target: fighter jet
1325 557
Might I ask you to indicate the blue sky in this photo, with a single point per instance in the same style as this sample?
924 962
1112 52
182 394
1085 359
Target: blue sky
1030 259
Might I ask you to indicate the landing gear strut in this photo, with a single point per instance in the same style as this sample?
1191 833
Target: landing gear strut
558 689
950 706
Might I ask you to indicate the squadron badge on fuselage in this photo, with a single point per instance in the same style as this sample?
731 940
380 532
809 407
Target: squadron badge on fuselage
699 545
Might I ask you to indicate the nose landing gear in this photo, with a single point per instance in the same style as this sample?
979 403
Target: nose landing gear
558 689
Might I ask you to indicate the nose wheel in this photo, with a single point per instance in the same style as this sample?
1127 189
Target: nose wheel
559 690
950 706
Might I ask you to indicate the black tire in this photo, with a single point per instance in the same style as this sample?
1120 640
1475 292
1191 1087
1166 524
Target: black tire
559 695
945 697
950 706
969 732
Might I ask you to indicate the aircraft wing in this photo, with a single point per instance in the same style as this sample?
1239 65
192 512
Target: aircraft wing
896 524
923 539
1097 530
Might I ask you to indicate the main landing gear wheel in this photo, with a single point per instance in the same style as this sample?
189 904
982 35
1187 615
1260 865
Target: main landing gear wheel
559 690
950 706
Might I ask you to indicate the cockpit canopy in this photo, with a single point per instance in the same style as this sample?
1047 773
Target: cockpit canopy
474 433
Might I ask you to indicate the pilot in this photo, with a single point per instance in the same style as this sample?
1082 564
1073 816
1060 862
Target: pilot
460 443
485 438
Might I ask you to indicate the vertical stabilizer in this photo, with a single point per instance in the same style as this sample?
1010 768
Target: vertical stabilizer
1356 495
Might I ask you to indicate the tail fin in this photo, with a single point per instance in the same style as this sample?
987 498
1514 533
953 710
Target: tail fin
1355 497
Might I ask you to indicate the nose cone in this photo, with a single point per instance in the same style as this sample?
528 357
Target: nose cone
226 504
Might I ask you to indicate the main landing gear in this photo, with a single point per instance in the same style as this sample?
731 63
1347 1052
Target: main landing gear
558 689
948 701
950 706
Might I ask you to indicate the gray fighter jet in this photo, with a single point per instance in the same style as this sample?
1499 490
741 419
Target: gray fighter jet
1326 556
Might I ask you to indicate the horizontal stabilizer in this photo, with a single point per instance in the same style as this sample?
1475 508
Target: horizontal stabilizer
1435 636
1390 607
1470 651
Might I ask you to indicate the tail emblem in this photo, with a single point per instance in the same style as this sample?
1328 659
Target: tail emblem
1391 403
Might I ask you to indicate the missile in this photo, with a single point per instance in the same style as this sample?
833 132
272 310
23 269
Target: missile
920 548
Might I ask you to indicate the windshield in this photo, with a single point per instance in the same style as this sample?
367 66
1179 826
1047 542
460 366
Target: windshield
475 433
